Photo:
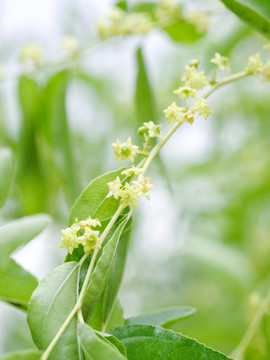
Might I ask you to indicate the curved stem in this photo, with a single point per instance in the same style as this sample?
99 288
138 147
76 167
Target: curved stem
239 352
78 304
224 81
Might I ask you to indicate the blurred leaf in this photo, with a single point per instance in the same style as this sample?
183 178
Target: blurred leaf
145 342
31 179
22 355
122 4
144 96
7 165
19 232
55 128
113 340
164 318
101 272
93 201
256 13
145 7
95 347
16 284
48 308
183 31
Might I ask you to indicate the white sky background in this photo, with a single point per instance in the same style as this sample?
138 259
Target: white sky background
46 22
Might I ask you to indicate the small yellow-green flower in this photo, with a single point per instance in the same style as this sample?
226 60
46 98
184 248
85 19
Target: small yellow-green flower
31 52
125 150
185 92
89 222
153 129
89 240
200 20
143 184
194 79
129 195
70 43
174 113
265 72
202 107
114 187
254 64
69 239
132 171
222 62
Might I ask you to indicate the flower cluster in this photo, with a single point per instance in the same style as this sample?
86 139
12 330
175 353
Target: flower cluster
81 233
119 22
179 114
129 193
256 66
31 52
125 150
193 78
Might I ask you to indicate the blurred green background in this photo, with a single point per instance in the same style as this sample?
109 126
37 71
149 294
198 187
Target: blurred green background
203 239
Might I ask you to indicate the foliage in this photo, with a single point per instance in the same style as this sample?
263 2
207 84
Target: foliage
76 312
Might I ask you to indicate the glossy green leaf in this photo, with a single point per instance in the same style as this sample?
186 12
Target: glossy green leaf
116 276
113 340
19 232
22 355
93 202
95 347
101 272
7 165
16 284
50 305
145 342
164 318
256 13
183 31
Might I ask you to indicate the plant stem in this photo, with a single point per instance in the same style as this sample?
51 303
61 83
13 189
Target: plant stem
239 352
78 304
224 81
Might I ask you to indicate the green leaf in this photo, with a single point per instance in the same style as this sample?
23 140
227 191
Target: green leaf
93 202
7 166
122 4
145 342
22 355
144 96
256 13
16 284
95 347
30 177
115 277
164 318
116 318
183 31
19 232
101 272
56 129
48 308
145 7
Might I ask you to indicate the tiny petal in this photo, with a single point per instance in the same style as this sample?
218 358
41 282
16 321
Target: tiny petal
254 64
222 62
202 107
